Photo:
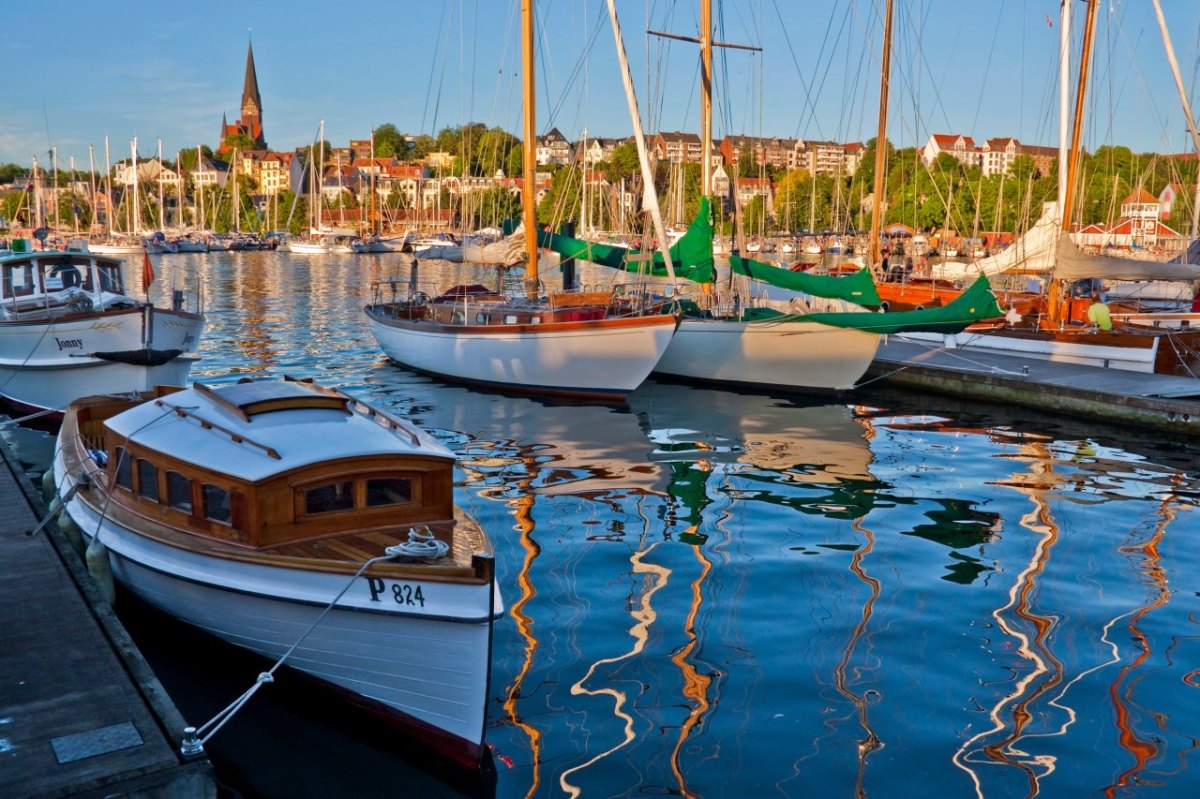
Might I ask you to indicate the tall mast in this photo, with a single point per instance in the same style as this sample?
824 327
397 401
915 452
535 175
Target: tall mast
108 209
92 182
1064 100
135 215
54 193
529 151
885 82
649 196
198 187
706 95
1085 63
161 219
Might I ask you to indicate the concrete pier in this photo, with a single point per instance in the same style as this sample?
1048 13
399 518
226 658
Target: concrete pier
1115 396
81 714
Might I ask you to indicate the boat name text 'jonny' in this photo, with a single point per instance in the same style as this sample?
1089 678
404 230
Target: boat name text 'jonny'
68 343
401 593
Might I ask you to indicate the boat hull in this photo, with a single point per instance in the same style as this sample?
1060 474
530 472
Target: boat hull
1146 350
44 365
605 358
793 355
424 669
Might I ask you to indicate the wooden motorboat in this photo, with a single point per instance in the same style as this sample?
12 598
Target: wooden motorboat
69 327
249 509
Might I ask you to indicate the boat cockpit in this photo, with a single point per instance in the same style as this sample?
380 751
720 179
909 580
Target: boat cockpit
51 284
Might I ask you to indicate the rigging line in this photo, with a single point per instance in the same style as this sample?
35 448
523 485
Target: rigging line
987 67
429 82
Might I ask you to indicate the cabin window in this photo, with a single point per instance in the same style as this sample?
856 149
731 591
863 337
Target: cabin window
217 504
328 498
481 318
510 319
124 469
388 491
179 492
61 275
147 479
110 278
18 280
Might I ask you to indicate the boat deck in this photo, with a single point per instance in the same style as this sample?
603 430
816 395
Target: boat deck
80 711
1152 401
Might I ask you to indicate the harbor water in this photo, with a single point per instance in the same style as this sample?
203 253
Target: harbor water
721 594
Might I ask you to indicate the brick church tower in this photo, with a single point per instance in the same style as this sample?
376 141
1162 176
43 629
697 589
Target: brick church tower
250 122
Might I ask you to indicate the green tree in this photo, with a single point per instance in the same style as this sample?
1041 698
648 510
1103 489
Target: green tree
240 142
494 206
390 142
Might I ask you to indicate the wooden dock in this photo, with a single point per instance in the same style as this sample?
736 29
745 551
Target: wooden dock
81 714
1158 402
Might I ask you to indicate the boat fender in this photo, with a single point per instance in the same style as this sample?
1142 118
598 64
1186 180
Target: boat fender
71 530
48 486
99 568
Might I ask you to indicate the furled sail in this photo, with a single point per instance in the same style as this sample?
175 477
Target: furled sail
858 287
976 304
691 256
1072 264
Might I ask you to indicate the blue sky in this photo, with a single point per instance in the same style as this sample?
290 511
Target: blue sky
78 71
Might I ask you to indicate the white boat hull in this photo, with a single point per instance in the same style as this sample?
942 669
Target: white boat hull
115 249
428 664
583 359
316 247
45 366
1081 351
793 355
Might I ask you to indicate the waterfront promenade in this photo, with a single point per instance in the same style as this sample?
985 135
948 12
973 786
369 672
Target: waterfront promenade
81 714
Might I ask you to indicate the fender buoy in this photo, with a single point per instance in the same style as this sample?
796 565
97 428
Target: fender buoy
98 567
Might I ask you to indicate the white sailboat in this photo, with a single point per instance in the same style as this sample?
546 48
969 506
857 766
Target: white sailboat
573 344
724 344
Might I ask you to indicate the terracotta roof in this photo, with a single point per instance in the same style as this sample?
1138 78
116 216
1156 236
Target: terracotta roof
1140 196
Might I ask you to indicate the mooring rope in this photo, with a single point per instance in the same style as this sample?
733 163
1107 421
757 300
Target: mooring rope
193 743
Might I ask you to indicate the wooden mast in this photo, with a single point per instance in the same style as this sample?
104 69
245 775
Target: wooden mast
529 185
1085 62
706 74
881 136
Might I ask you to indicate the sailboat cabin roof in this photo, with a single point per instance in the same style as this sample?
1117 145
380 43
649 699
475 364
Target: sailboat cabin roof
254 430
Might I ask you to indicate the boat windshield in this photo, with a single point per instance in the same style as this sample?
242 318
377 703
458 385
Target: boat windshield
110 278
65 274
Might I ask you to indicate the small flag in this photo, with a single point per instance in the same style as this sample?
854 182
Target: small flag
147 272
1049 21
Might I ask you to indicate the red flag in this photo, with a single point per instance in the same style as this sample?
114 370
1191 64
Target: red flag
147 272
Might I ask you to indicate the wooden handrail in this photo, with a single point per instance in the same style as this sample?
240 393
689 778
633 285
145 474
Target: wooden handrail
237 438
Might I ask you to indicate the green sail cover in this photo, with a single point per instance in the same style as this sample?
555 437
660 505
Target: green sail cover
857 288
975 304
691 256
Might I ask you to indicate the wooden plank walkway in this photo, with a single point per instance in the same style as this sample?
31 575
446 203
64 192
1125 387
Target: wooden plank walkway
1159 402
81 714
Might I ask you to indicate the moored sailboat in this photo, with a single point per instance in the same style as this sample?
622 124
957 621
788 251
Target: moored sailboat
593 344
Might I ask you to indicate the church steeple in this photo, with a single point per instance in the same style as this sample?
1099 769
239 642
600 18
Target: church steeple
250 122
251 102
